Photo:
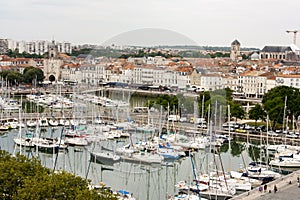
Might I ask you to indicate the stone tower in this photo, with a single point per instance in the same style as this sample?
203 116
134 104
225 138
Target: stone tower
235 52
52 50
53 63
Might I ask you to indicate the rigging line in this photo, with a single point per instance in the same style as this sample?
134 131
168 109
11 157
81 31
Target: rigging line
195 176
218 149
60 139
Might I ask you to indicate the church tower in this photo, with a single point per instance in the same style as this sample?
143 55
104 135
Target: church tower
53 63
235 51
52 50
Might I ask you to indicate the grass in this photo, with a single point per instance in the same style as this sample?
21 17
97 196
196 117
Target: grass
257 123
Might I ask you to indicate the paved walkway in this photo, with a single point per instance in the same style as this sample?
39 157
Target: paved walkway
287 190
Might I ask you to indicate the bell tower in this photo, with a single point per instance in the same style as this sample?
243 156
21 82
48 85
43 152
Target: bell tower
235 51
52 50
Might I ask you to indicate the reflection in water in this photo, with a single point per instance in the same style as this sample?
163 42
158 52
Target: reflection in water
145 181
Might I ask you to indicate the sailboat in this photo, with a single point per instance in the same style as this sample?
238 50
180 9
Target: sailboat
105 156
53 122
259 171
288 159
43 122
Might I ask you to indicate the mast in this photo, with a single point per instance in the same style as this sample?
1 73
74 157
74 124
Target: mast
20 129
283 121
202 112
195 109
267 139
195 176
229 125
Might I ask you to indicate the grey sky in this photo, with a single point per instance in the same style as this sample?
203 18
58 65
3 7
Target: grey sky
254 23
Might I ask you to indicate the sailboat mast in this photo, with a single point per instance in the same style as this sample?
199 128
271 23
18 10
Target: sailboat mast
267 139
195 176
20 130
283 122
229 125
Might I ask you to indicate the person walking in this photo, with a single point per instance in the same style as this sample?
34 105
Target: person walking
275 188
265 187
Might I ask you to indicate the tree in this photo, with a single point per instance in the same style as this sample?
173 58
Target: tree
168 100
24 178
60 185
257 113
237 111
13 77
32 73
274 102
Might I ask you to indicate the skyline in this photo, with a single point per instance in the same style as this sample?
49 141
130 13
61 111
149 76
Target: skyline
207 23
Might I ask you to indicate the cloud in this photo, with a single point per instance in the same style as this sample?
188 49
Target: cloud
209 22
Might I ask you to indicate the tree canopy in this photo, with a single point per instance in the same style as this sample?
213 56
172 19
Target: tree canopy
32 73
15 54
13 77
257 113
168 100
29 74
24 178
237 111
274 103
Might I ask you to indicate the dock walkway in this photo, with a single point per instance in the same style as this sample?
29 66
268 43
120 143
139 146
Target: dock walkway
287 190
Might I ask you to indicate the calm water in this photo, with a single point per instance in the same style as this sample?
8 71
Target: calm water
144 181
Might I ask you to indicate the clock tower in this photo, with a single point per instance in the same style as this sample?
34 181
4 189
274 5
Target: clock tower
52 50
53 63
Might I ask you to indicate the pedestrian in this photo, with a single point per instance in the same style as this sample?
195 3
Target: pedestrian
260 188
298 179
275 188
265 187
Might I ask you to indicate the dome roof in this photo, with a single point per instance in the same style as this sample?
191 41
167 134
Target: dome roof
254 56
235 42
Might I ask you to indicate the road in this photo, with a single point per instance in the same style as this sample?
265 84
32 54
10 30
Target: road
287 190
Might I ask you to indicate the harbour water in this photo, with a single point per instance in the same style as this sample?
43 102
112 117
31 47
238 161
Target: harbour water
144 181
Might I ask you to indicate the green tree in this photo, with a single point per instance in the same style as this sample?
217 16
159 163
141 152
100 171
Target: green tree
13 77
274 102
168 100
257 113
237 111
24 178
32 73
60 185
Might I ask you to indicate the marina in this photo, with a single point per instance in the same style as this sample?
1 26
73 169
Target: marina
127 147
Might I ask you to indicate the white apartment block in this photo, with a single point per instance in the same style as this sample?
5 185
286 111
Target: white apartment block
271 83
183 80
170 78
232 83
91 74
210 82
253 84
248 85
34 47
126 76
292 80
157 60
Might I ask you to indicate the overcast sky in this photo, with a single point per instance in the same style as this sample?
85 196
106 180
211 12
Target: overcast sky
254 23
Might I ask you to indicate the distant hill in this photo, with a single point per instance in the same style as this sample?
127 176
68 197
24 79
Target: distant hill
206 48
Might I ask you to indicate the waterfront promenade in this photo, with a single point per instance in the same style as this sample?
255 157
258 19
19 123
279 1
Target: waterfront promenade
287 190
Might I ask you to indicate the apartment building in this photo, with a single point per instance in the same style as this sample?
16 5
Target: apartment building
290 80
210 82
39 47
